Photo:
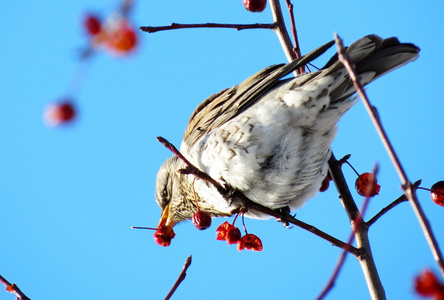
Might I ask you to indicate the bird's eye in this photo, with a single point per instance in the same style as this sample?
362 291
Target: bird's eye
165 193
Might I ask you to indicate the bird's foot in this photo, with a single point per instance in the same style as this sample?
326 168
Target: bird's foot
284 212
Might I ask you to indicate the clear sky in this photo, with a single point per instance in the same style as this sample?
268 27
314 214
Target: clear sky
68 196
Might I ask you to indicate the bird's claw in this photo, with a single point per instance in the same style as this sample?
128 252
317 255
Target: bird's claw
284 212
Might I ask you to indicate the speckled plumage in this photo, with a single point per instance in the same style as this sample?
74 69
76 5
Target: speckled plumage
270 138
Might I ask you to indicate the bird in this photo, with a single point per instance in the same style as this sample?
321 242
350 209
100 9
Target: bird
270 137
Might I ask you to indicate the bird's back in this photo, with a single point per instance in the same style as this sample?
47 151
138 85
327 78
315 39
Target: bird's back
275 149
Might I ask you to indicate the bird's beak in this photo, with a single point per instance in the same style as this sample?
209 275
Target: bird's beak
165 232
165 220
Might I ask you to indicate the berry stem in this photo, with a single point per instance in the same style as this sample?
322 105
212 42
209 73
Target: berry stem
243 223
194 194
423 188
235 218
350 165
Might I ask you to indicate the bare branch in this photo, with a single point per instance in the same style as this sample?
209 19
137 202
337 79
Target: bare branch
360 231
281 30
390 206
359 222
173 26
297 48
409 190
181 277
13 288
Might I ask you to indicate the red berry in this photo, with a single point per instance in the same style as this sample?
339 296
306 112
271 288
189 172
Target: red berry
438 193
233 235
325 183
366 185
92 24
163 236
428 285
229 233
222 231
60 113
122 39
202 220
250 242
255 5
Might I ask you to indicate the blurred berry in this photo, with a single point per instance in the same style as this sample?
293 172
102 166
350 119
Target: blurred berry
60 113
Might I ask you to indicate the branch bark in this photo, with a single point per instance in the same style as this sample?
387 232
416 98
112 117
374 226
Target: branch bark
181 277
383 211
281 31
407 186
152 29
13 288
359 221
360 230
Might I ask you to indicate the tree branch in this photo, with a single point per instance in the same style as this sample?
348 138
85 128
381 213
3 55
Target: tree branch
390 206
360 231
181 277
173 26
297 48
409 190
359 221
281 30
13 288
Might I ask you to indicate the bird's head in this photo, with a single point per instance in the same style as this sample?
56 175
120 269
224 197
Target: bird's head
174 196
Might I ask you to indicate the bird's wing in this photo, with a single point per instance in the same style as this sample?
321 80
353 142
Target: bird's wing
225 105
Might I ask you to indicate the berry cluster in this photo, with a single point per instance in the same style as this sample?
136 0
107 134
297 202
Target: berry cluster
228 232
115 35
225 232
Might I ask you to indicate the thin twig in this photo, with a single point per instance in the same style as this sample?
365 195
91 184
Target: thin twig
409 190
297 48
383 211
281 30
358 223
235 194
13 288
181 277
152 29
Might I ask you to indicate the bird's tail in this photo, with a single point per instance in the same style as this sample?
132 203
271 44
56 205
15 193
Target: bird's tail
372 57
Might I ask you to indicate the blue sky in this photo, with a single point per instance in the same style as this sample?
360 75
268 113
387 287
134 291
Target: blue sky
68 196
